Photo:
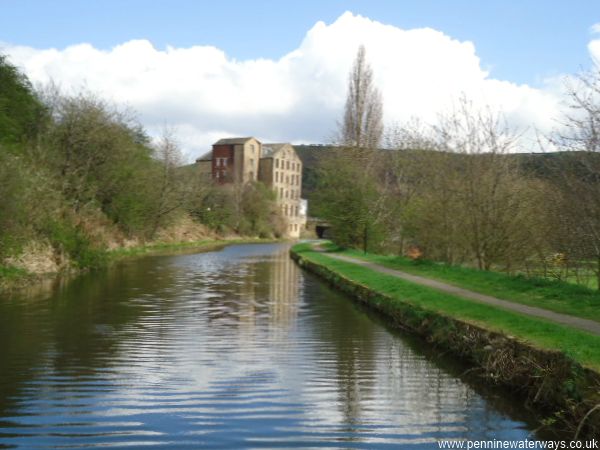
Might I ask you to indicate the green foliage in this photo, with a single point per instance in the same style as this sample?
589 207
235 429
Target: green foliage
248 209
8 273
71 240
258 210
73 166
348 198
22 114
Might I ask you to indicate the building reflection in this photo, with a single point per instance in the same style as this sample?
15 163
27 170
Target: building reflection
258 291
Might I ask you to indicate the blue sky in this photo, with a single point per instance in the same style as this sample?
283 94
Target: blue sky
278 70
521 41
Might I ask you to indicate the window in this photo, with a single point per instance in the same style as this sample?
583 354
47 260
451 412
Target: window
276 163
252 148
287 165
251 162
251 175
286 194
287 180
285 210
296 212
276 177
280 192
221 162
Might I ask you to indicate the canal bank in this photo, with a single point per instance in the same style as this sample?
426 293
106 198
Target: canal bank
533 357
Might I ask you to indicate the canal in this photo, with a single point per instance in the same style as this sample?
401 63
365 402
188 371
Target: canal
237 348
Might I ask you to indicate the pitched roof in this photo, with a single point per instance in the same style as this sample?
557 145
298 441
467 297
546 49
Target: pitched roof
229 141
206 157
269 150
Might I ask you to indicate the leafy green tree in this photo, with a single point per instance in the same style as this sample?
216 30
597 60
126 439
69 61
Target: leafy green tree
22 114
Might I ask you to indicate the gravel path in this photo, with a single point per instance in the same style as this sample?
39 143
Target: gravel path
590 326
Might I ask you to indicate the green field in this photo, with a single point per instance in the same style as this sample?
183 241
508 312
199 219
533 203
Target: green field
581 346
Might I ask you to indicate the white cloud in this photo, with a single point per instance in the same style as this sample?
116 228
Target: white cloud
205 94
594 49
595 29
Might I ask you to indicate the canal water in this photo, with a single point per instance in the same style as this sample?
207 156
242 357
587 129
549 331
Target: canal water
237 348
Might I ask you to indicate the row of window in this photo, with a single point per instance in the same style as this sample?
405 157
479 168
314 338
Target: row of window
293 227
287 165
293 194
292 211
223 161
295 180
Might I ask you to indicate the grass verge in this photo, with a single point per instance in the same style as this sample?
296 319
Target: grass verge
579 345
554 295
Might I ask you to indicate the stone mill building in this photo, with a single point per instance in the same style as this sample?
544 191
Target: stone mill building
244 160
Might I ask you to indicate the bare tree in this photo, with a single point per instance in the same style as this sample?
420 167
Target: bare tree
363 115
465 199
576 174
170 194
492 198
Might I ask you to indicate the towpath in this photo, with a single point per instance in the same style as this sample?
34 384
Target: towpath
590 326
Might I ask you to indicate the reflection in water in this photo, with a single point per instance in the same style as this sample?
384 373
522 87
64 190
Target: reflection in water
235 348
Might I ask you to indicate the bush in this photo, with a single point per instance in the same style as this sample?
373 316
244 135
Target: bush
72 241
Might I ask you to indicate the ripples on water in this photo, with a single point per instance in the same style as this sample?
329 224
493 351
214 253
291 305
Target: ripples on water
231 349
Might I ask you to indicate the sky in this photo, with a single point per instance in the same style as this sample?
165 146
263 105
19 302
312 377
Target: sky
278 70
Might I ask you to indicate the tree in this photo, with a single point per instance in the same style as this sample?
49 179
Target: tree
349 200
348 196
170 192
363 114
22 114
465 198
576 176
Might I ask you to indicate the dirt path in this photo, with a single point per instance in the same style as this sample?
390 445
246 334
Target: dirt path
590 326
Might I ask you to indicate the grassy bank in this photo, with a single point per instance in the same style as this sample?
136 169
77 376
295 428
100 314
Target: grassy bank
13 277
554 295
553 366
581 346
